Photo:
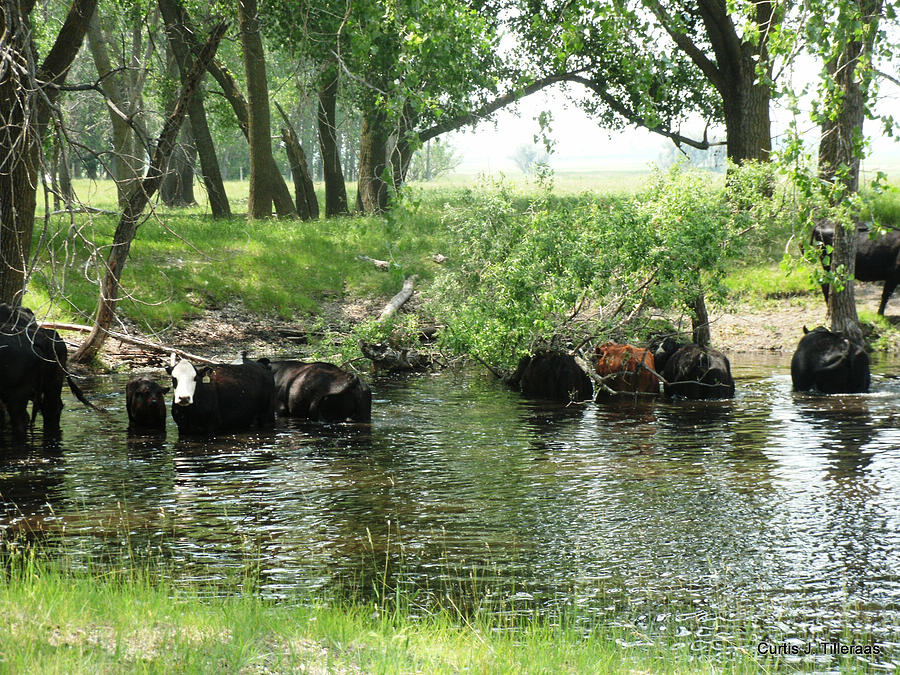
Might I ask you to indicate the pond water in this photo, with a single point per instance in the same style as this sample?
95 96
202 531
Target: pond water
690 516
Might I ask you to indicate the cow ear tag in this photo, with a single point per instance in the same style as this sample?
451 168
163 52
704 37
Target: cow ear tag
206 379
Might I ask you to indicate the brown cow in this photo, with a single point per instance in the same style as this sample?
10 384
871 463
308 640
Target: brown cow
625 369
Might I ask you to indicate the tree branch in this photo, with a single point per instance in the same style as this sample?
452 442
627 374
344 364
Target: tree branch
641 121
701 60
492 107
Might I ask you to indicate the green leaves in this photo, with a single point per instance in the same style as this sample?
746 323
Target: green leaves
558 269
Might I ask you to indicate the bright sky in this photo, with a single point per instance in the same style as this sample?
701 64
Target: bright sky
581 145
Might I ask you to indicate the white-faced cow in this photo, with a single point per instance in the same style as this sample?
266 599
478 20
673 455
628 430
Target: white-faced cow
320 391
32 368
225 397
145 402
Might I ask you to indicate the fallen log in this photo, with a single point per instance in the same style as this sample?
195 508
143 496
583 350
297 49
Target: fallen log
127 339
380 264
386 358
400 299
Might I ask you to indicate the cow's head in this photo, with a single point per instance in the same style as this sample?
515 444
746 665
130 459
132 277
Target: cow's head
185 378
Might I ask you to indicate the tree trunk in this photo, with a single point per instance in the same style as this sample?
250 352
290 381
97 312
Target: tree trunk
263 169
335 188
130 219
372 193
175 20
400 160
26 94
402 150
304 190
54 174
840 151
124 166
700 321
747 124
64 177
176 189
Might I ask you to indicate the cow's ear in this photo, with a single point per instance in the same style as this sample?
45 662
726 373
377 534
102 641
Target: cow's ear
265 362
168 370
203 374
805 330
165 390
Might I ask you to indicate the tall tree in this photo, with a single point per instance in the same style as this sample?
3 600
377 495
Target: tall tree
661 63
122 85
281 196
847 44
131 217
259 120
27 93
335 188
176 31
404 65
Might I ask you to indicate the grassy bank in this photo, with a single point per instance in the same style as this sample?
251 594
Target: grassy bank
183 261
59 621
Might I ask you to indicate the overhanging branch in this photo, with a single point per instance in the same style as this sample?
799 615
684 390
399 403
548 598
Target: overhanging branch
488 109
613 104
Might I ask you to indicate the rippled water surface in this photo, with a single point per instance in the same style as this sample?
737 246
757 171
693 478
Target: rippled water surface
778 506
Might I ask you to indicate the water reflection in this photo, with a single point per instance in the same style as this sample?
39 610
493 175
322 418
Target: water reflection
780 505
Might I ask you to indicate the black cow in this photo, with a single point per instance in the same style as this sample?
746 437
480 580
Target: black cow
877 259
830 363
320 391
32 368
221 397
551 375
692 371
145 402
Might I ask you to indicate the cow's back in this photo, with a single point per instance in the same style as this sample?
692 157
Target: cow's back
245 394
625 368
320 390
697 372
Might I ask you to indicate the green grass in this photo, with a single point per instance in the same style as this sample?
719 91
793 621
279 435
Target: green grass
183 261
771 281
58 620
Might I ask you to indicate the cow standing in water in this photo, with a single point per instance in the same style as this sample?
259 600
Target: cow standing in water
829 363
145 402
320 391
225 397
551 375
625 369
32 368
694 372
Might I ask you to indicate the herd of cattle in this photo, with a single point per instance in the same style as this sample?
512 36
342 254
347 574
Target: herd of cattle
206 400
825 361
250 393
